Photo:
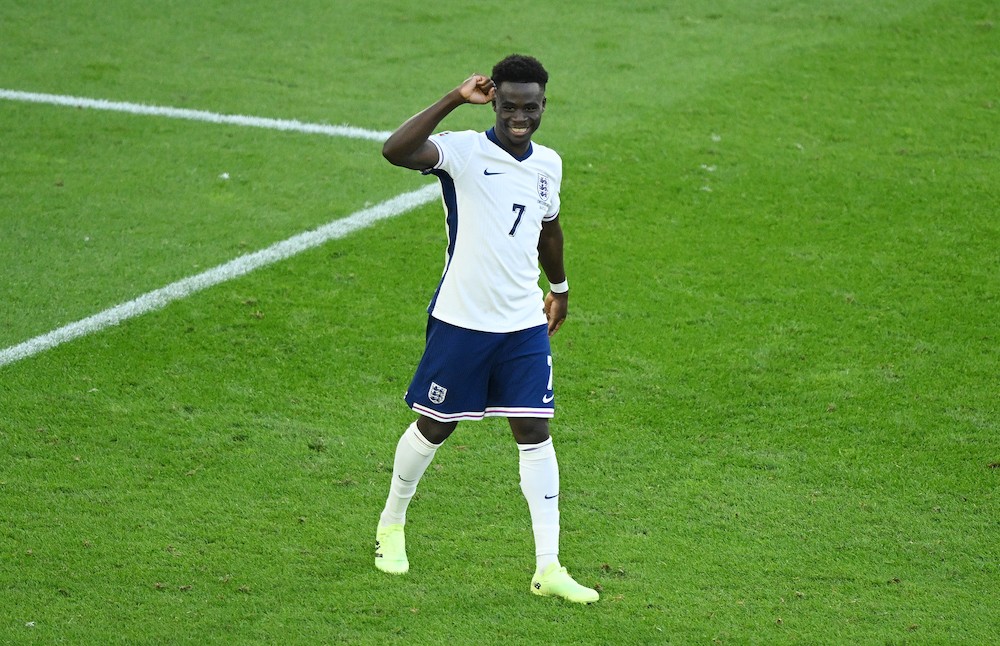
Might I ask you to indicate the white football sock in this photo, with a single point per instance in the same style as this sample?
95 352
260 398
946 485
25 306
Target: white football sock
413 453
540 486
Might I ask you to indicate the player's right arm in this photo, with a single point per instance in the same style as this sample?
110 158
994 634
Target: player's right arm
409 147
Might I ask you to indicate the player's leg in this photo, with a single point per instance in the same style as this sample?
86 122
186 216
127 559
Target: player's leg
539 472
436 432
414 453
540 485
444 388
522 386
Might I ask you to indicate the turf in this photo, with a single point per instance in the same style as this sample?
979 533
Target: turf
777 386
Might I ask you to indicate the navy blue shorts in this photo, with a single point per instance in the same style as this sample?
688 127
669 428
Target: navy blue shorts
468 375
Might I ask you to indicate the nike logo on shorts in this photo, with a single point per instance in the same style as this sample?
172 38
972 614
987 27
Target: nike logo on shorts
547 398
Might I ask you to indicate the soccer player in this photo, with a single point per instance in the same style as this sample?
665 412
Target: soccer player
487 343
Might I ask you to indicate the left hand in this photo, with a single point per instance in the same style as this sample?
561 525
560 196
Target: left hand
556 308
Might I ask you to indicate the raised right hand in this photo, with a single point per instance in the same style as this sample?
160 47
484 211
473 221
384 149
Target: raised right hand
477 89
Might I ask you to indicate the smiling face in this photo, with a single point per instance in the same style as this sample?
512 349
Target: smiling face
519 108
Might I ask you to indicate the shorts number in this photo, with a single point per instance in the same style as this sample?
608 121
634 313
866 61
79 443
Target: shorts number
520 212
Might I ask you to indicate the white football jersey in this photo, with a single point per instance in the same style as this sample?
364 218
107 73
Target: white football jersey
494 205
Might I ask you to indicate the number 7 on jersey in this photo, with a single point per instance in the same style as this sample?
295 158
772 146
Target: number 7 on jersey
519 208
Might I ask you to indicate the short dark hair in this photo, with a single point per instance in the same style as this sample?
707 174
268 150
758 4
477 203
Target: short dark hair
517 68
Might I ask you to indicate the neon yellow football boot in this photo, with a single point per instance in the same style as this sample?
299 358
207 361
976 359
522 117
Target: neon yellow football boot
390 549
555 581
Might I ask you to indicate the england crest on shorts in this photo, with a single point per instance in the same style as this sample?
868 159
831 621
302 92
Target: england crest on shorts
437 393
543 188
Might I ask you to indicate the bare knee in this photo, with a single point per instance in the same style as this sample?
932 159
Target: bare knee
434 431
529 430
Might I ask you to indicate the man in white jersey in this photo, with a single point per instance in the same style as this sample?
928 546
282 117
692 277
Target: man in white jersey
487 351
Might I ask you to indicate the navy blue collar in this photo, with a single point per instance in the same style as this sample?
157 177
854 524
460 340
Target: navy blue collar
492 136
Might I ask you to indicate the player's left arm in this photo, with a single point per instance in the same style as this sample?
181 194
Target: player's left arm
550 257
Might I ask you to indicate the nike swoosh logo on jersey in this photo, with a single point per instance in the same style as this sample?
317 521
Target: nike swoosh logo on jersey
547 398
487 172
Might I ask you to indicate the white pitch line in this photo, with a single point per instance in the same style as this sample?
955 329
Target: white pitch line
195 115
159 298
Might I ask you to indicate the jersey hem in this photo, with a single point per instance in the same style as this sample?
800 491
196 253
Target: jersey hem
477 327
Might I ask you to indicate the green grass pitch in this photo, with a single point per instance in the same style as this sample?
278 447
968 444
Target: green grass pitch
778 383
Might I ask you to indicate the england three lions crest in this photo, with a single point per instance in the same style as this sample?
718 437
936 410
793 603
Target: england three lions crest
543 188
437 393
